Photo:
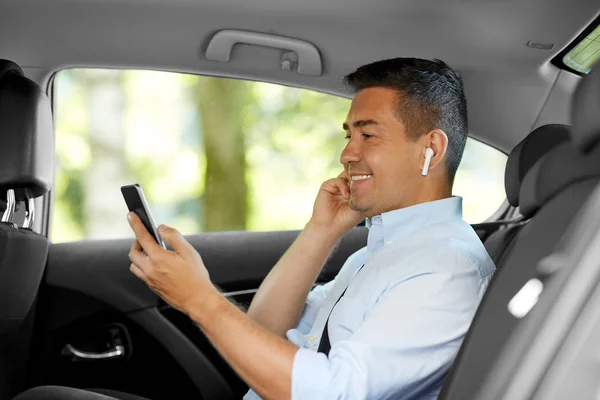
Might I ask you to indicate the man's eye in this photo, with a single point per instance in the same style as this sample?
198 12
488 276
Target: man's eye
365 135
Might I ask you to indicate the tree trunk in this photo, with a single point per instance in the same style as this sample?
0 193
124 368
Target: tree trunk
107 169
225 199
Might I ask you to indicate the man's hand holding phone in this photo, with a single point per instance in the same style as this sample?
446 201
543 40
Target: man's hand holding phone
136 202
179 276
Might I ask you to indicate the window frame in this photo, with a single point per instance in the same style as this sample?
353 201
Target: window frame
557 60
48 199
505 208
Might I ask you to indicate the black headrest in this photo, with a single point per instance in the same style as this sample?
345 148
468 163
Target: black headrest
555 172
26 135
585 111
523 157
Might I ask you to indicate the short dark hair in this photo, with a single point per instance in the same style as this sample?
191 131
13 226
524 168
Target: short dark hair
430 96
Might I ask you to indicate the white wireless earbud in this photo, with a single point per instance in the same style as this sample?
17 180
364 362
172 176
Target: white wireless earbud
428 154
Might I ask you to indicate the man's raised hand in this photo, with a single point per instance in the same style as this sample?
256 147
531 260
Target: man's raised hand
332 207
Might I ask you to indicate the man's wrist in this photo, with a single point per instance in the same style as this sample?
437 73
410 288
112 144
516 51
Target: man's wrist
205 304
324 235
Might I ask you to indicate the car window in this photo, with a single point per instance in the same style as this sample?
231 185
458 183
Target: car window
480 181
583 52
212 154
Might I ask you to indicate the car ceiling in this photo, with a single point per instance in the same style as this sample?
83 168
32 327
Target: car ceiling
507 83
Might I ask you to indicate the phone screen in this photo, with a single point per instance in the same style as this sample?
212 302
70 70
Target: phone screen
136 202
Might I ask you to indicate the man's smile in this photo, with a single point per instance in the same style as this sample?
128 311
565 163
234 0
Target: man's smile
359 180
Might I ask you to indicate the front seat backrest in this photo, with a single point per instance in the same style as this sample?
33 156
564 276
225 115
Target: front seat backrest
554 201
520 160
26 170
552 275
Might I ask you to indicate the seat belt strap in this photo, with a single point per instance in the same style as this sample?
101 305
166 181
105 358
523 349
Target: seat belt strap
324 344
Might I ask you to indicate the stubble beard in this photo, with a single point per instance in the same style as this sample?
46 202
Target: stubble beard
355 205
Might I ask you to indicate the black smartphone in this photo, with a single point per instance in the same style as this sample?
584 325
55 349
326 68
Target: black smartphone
136 202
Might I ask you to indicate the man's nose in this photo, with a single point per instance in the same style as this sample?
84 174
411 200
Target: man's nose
351 152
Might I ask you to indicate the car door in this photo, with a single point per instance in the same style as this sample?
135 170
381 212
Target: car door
90 303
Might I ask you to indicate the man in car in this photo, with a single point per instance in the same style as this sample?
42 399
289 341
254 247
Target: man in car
391 323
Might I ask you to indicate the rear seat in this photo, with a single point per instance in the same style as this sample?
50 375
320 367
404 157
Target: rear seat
553 191
521 159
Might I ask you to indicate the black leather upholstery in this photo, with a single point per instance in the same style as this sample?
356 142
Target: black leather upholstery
22 260
117 394
26 135
527 153
26 154
9 66
67 393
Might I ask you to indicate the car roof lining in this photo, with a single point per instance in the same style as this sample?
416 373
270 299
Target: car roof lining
508 84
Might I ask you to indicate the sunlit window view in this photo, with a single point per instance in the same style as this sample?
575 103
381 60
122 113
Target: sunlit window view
211 154
585 54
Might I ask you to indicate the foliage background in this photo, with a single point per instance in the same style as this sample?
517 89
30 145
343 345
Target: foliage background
212 154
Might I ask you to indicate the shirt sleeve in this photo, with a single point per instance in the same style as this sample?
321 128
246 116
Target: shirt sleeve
313 302
402 349
315 299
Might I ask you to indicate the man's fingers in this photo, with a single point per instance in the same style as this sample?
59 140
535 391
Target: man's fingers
137 256
342 183
344 186
337 186
136 246
142 235
137 271
175 239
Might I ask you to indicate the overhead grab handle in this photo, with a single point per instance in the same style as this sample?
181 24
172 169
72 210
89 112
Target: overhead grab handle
309 59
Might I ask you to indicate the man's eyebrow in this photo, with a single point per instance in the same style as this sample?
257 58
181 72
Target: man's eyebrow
360 124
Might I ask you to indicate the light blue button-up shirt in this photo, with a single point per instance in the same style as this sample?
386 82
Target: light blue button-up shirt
400 323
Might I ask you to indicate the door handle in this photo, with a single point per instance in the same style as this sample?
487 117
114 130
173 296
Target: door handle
116 352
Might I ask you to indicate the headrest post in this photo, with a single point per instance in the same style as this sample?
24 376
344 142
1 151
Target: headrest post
29 213
10 206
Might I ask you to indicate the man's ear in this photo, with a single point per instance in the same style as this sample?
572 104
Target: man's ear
437 140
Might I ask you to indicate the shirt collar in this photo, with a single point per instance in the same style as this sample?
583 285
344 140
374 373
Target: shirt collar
403 221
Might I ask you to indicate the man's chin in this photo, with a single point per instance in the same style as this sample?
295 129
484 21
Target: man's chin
357 205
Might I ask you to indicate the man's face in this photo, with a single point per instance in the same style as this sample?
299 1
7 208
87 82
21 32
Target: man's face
378 149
